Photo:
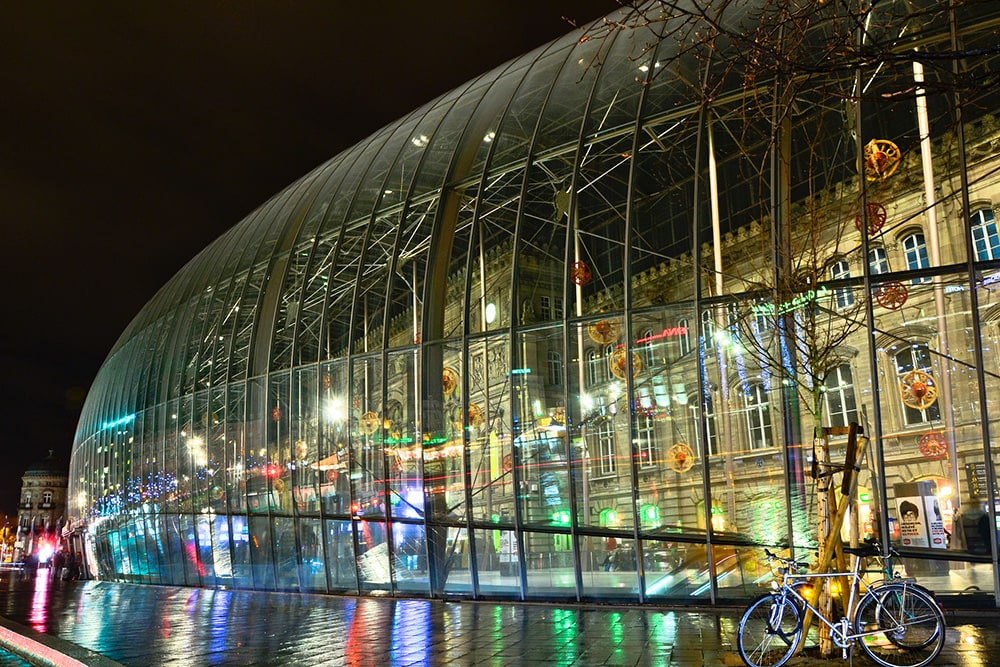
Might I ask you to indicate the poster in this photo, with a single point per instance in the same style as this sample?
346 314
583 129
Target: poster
912 528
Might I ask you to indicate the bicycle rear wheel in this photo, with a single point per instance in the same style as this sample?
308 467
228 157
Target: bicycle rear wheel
769 631
911 624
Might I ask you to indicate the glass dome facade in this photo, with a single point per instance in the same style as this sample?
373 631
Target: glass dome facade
566 332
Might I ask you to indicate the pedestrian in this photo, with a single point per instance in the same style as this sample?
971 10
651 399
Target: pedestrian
609 546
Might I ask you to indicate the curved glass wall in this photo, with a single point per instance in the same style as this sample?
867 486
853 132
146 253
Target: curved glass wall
566 333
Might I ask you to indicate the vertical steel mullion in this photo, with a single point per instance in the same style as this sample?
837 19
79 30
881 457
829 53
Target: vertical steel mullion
977 333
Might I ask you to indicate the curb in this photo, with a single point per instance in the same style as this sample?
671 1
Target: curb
48 651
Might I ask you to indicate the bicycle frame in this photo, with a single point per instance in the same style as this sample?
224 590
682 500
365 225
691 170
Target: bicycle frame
840 630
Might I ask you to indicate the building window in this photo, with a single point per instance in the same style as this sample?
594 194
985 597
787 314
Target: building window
47 497
554 360
593 368
684 336
878 261
984 235
647 348
606 462
917 357
838 398
645 440
608 352
915 251
707 329
694 425
843 297
552 308
758 417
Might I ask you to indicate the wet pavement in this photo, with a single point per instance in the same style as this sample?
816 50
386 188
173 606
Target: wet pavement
101 623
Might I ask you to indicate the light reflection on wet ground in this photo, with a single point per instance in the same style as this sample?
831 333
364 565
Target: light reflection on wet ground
162 625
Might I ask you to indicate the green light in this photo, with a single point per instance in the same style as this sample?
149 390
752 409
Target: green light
864 497
561 518
495 518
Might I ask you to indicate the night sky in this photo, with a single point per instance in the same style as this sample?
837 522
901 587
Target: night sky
135 133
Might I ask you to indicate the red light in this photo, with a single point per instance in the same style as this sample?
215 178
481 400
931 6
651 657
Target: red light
271 470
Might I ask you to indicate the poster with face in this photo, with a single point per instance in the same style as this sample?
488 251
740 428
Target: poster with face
912 526
935 523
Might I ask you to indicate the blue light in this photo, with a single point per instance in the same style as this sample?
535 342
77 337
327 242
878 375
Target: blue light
118 422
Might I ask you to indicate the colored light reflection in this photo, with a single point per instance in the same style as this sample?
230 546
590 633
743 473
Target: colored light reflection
39 615
411 632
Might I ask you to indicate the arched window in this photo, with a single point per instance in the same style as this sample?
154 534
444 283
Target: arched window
915 251
707 329
649 515
839 403
684 336
555 367
604 447
916 357
694 425
594 363
878 261
645 440
649 356
607 518
843 297
984 235
608 352
758 416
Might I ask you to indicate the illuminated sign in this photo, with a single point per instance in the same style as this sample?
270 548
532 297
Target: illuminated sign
666 333
788 306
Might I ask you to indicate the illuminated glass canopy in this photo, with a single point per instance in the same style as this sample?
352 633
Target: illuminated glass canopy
557 333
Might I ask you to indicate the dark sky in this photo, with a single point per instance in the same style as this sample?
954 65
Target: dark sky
135 133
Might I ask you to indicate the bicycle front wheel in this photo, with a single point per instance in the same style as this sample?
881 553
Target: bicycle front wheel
907 625
769 631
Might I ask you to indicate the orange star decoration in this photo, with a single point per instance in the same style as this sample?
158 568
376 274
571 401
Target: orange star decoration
881 159
604 331
876 216
369 422
933 446
619 363
891 295
449 381
918 390
680 457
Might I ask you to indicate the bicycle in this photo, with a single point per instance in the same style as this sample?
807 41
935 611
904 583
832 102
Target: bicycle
896 622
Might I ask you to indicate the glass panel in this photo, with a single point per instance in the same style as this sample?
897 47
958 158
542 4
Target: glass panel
609 567
242 565
550 570
410 564
334 450
374 563
400 437
368 461
340 563
458 562
286 559
541 449
312 571
497 561
304 434
602 452
261 554
490 422
666 427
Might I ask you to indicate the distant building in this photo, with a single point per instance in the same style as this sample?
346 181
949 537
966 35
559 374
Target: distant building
41 510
